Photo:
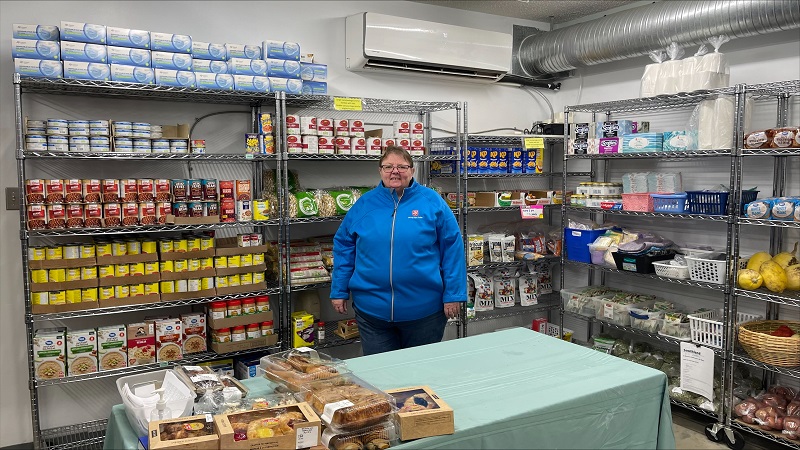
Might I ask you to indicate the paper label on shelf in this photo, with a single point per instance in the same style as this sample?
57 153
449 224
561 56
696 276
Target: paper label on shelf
347 104
608 311
534 142
531 212
331 408
697 369
307 437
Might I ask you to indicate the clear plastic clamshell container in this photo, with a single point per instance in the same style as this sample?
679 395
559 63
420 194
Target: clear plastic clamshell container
297 367
348 403
377 437
616 310
583 301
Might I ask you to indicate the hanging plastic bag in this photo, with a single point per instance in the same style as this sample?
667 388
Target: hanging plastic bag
713 70
651 71
670 71
689 80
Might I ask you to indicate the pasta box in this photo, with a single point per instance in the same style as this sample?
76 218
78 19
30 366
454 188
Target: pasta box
284 427
421 413
184 433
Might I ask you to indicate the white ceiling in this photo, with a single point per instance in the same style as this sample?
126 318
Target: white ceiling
537 10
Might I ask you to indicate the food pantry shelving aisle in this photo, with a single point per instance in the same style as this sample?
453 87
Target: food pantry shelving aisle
727 291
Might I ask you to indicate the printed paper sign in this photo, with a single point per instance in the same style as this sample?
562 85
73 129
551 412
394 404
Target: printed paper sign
697 369
347 104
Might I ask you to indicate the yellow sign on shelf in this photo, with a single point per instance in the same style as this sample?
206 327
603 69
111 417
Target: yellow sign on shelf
534 142
347 104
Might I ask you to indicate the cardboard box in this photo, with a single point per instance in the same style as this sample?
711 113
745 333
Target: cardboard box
186 295
229 247
172 220
249 344
243 289
159 436
172 256
230 322
167 276
141 343
347 329
62 263
238 270
485 200
127 259
305 434
422 413
67 307
132 279
137 300
63 285
302 329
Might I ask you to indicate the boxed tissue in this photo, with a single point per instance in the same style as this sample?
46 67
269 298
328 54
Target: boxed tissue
128 56
39 32
35 49
81 51
315 88
288 85
132 74
86 71
642 142
613 129
205 50
83 32
242 51
608 145
125 37
578 147
281 50
641 127
579 131
168 42
208 66
178 78
675 141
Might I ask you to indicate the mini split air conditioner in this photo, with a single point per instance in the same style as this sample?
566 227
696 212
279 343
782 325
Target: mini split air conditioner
386 43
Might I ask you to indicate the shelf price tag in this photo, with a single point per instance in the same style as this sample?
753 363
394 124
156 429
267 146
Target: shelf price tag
697 369
533 142
531 212
347 104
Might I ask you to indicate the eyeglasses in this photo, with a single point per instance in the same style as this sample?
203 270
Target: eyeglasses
388 168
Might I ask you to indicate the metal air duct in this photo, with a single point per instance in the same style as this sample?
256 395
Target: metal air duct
637 31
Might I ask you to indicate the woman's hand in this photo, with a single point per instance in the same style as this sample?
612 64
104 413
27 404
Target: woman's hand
339 305
451 310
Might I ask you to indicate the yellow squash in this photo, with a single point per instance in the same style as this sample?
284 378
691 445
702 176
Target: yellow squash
786 259
774 276
756 260
750 279
793 277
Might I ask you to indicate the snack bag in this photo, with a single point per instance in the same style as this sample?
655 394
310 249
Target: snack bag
484 294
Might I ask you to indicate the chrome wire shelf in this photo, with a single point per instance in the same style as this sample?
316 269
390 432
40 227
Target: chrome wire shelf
652 103
769 223
771 152
500 265
656 336
332 219
514 311
310 287
785 298
327 157
146 229
738 356
661 155
700 284
507 140
219 157
766 435
774 88
648 214
190 360
116 89
272 290
473 209
370 104
334 340
84 436
694 408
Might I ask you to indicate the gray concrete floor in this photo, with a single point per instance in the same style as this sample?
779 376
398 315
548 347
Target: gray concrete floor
689 429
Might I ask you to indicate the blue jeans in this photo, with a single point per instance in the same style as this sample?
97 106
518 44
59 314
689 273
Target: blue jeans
378 336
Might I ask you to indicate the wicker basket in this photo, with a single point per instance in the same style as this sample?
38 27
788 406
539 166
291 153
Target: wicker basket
760 345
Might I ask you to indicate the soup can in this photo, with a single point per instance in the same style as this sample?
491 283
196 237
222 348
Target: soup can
39 276
89 295
258 277
221 262
105 292
206 242
149 247
258 258
54 252
40 298
206 283
36 253
121 270
234 261
193 264
193 244
123 291
246 279
89 273
167 287
119 248
207 263
180 245
103 249
135 269
180 265
165 246
72 251
73 295
151 267
56 275
151 288
247 260
105 271
181 286
73 274
221 281
133 247
234 280
88 251
136 290
56 297
166 267
193 284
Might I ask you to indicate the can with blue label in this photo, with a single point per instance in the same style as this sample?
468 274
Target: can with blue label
197 209
180 190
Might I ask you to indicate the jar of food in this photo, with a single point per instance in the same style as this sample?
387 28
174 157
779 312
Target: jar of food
234 308
320 331
593 201
267 328
253 331
577 200
219 310
583 188
238 333
222 335
262 303
249 305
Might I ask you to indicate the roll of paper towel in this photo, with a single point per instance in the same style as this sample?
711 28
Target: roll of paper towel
649 80
669 77
714 124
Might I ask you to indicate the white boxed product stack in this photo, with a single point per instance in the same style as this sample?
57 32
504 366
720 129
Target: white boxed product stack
324 135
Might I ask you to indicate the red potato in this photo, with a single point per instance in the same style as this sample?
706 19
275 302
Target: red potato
793 408
745 408
791 427
784 391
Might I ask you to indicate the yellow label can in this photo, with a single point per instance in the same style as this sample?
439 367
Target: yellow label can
151 288
89 295
180 245
167 287
119 248
39 276
193 244
89 273
246 279
40 298
194 264
123 291
221 281
258 277
105 292
207 263
135 269
221 262
181 286
165 246
103 249
181 265
121 270
234 280
73 274
151 268
105 271
88 251
57 297
73 296
36 254
54 252
72 251
149 247
207 283
136 290
247 260
206 243
133 247
56 275
193 284
166 267
234 261
258 258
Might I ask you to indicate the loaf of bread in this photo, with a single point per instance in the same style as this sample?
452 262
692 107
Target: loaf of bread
369 406
376 437
758 139
783 137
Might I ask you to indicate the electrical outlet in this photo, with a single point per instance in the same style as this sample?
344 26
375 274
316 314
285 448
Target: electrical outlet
12 198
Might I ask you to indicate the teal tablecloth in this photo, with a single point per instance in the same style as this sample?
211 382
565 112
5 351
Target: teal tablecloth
515 389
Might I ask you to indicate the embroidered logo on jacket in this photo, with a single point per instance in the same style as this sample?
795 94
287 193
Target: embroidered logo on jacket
415 214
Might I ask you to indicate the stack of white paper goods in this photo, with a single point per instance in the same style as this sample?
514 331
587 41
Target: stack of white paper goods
670 74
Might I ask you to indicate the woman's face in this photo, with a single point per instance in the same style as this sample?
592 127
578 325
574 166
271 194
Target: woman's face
395 179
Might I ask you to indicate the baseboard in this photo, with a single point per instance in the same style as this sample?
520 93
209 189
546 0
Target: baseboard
25 446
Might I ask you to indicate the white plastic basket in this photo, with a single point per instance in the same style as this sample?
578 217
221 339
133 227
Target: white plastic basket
709 270
665 269
554 330
706 327
696 252
180 400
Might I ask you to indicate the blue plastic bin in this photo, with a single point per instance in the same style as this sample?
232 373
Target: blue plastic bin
576 243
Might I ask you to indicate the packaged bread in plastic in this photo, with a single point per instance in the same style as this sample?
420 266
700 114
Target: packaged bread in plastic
376 437
297 367
348 403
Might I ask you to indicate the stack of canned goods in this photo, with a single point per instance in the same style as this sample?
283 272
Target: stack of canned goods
194 197
240 308
127 247
62 135
238 261
193 268
198 145
591 194
68 254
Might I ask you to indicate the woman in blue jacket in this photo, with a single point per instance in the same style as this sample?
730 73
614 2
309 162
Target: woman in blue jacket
400 256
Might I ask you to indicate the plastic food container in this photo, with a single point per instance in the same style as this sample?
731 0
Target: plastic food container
646 319
616 310
597 253
366 405
377 436
583 302
296 368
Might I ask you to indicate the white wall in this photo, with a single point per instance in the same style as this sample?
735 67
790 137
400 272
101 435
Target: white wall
319 27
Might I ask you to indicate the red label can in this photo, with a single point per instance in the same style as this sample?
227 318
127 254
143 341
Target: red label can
111 190
56 216
147 213
34 191
73 191
75 217
92 190
145 190
54 191
37 217
112 215
93 215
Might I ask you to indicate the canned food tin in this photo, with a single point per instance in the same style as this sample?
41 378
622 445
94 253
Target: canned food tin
123 125
122 133
98 132
197 209
206 242
123 291
57 123
181 265
35 123
167 287
193 243
151 288
54 252
40 298
98 123
57 147
149 247
105 292
136 290
234 280
258 277
151 267
145 190
36 253
221 262
206 283
136 269
140 126
180 209
35 146
180 245
256 240
246 279
258 258
56 216
165 246
180 190
244 210
73 274
133 247
73 295
212 209
105 271
57 131
247 260
39 276
99 148
57 140
207 263
221 281
193 284
99 140
234 261
123 142
72 251
78 124
87 251
79 144
198 150
166 267
160 150
79 132
56 275
195 187
89 295
119 248
37 217
141 135
56 297
159 143
89 273
104 249
209 189
193 264
181 286
54 191
121 270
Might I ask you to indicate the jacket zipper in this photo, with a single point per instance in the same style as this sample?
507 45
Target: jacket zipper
391 256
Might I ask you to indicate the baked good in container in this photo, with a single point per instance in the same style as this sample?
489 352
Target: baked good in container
361 404
296 368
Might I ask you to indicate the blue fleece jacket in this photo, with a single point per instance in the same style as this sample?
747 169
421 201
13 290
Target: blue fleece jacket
401 259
